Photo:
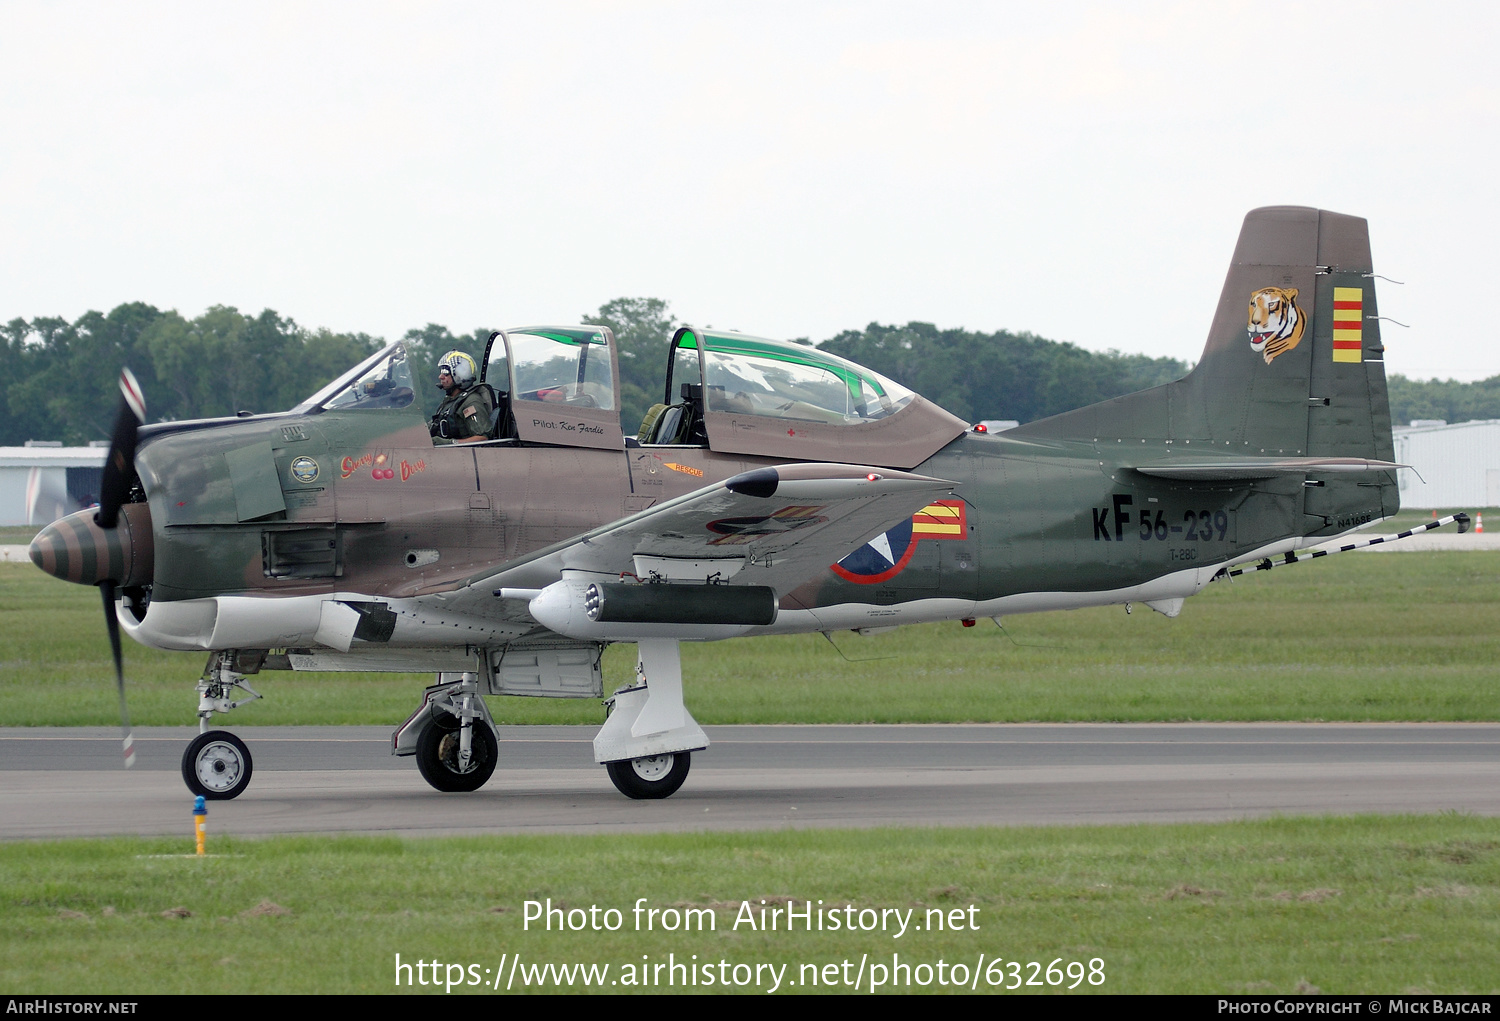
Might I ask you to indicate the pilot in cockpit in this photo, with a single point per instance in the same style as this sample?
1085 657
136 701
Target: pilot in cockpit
466 412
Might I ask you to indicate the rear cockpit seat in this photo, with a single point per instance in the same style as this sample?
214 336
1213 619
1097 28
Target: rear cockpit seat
679 424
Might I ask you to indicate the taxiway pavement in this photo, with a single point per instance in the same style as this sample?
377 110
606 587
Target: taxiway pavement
59 782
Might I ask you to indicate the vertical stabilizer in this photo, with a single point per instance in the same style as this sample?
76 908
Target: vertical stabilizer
1293 365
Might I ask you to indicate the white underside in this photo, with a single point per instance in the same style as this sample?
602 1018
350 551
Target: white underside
321 621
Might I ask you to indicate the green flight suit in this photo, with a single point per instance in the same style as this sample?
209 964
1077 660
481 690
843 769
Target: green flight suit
462 415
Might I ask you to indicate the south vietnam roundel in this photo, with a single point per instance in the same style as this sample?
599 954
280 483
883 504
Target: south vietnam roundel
880 559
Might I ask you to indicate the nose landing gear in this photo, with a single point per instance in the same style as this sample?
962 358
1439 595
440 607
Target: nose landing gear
217 765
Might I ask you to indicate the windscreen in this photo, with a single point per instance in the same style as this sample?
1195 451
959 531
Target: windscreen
381 381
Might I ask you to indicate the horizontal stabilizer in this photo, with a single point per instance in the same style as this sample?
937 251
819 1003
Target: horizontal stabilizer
1246 468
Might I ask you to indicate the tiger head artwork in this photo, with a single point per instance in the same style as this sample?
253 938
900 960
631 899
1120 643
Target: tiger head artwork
1276 323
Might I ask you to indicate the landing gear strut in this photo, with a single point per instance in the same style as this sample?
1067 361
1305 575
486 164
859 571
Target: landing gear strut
448 765
451 735
217 765
645 744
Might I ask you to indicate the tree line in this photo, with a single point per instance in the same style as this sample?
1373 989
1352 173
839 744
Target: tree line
58 379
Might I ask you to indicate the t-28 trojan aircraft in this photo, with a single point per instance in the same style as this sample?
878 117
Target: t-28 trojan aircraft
775 489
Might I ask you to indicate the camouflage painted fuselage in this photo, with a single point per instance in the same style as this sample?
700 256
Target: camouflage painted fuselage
1143 497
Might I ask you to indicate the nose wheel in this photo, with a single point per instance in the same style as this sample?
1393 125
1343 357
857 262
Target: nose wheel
217 765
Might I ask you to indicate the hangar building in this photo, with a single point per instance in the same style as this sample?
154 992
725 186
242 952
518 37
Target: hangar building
39 483
1453 466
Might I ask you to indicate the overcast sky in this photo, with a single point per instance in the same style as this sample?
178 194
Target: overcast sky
1076 170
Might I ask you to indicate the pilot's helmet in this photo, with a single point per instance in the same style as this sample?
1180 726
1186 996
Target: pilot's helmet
460 366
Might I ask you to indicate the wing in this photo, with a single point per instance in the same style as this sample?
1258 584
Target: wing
773 526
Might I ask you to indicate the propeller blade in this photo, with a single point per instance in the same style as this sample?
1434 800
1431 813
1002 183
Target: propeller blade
107 590
114 487
33 492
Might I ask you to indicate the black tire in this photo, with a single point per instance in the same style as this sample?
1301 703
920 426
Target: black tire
437 758
217 765
650 778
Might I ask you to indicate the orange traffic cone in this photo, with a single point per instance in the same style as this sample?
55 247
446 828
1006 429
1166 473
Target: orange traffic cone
1478 524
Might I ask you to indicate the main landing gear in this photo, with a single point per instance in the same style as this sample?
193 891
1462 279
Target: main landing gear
655 776
451 735
646 743
441 758
217 765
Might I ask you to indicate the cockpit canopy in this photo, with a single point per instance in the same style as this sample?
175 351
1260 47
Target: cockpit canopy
557 365
563 382
775 399
750 376
733 393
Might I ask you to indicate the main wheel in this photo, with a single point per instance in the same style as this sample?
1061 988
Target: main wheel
437 757
217 765
655 776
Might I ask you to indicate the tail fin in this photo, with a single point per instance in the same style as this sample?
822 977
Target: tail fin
1293 367
1294 363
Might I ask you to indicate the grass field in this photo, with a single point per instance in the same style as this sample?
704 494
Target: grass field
1347 905
1363 636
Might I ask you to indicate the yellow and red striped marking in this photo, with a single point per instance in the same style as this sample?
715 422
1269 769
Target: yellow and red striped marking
945 519
1348 324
